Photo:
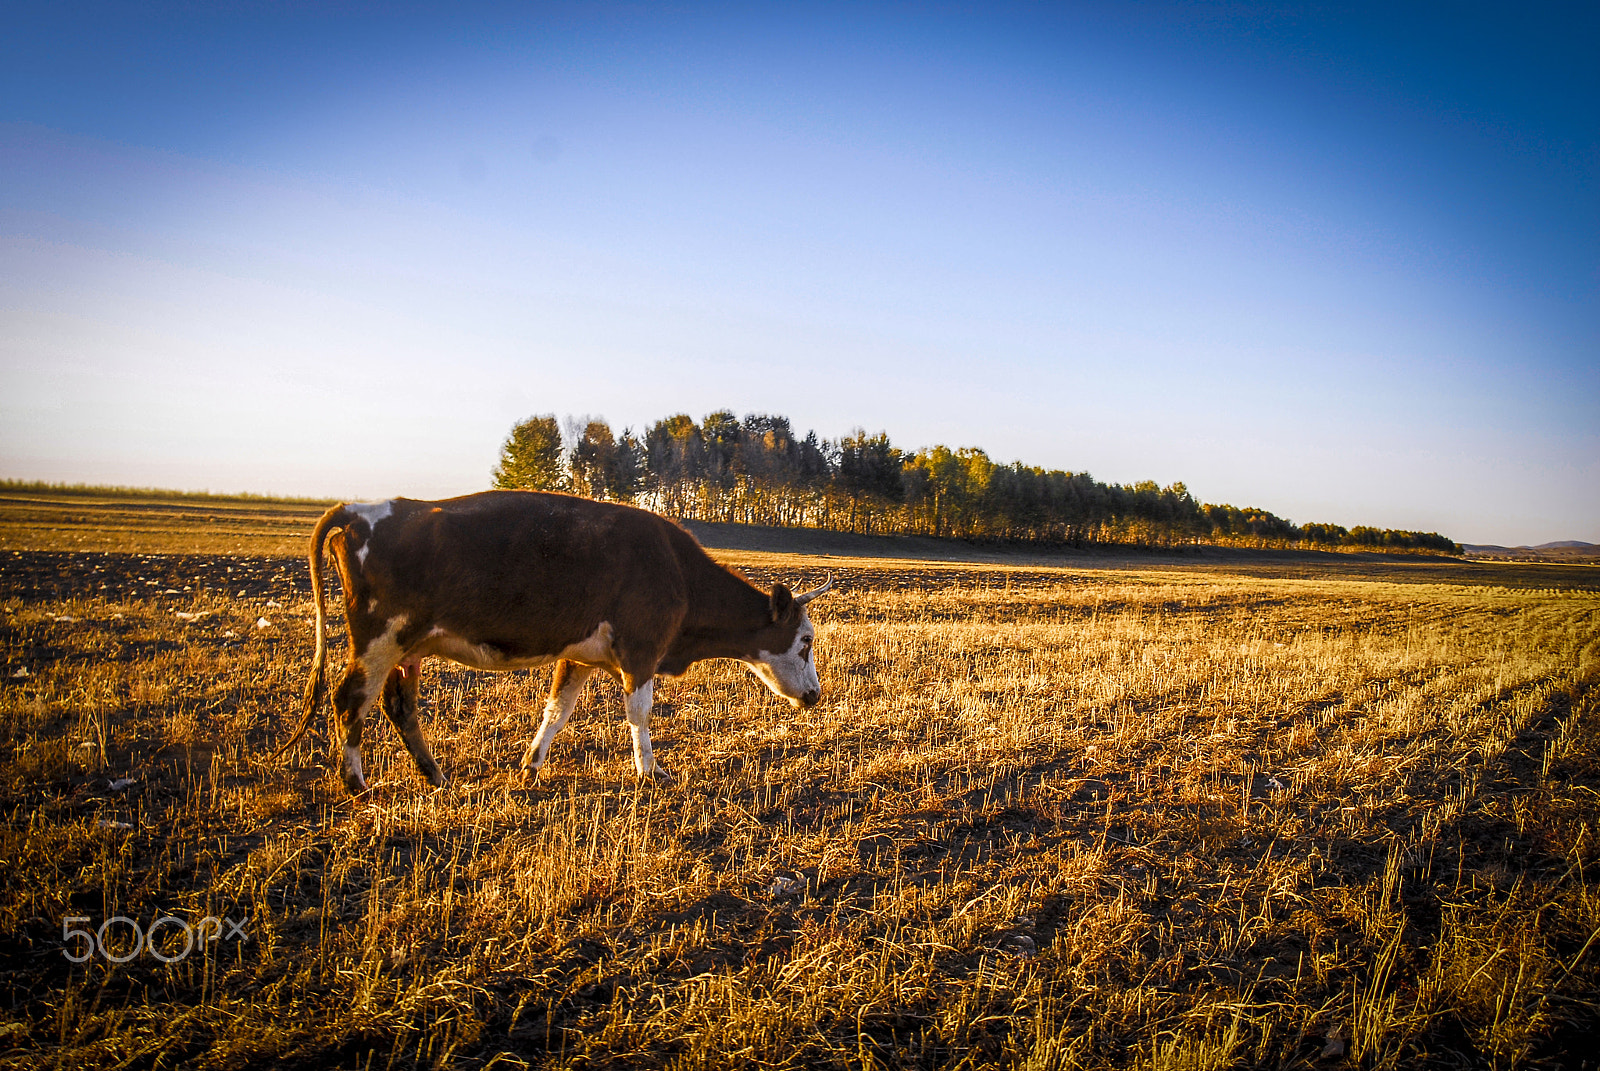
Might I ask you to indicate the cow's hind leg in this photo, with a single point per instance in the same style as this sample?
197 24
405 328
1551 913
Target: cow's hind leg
568 681
400 704
363 686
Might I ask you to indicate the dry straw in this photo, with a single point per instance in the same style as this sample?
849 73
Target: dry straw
1041 819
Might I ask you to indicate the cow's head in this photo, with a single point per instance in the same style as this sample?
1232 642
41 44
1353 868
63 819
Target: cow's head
783 657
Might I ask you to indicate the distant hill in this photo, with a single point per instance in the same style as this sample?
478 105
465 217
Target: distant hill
1565 550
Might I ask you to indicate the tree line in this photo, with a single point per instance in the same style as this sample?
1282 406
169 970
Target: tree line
759 471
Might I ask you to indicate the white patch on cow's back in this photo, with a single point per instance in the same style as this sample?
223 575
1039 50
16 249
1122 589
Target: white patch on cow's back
372 513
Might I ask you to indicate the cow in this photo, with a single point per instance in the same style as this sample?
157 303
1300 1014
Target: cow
506 580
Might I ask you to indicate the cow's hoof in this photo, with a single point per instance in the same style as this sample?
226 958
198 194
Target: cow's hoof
356 785
436 779
660 773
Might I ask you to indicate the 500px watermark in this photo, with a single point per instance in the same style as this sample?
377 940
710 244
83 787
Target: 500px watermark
208 931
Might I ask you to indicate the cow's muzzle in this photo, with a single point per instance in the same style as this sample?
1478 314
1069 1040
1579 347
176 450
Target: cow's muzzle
811 697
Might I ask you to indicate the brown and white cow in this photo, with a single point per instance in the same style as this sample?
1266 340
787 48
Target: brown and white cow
514 579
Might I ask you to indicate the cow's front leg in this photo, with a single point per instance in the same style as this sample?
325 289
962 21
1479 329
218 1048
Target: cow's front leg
640 697
568 681
400 704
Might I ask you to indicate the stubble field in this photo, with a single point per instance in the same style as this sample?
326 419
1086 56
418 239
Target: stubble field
1096 815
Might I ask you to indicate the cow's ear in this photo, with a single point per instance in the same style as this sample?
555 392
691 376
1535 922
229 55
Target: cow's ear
781 601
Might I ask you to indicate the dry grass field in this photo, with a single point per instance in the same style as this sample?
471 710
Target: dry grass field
1153 813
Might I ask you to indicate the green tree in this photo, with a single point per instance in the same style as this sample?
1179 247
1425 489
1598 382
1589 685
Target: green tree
626 471
674 457
531 457
869 476
594 461
1324 534
720 431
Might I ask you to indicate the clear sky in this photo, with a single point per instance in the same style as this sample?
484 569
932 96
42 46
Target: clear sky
1341 262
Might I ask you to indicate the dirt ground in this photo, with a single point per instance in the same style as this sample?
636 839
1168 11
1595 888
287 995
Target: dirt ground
1178 812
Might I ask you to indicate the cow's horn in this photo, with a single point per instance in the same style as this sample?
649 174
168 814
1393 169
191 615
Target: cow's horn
814 592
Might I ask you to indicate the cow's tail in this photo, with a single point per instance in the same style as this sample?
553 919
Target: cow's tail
316 685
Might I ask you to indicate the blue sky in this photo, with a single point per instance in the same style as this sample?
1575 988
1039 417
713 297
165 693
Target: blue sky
1336 262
